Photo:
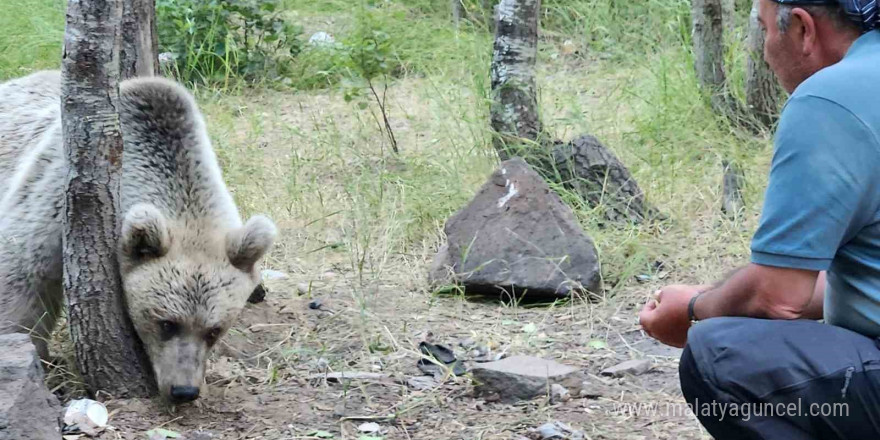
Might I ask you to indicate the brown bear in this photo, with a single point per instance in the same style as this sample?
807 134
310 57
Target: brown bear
188 263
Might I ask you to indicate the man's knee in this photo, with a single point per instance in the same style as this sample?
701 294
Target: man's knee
715 352
695 363
710 338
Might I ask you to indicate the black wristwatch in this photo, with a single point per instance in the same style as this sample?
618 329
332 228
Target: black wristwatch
693 319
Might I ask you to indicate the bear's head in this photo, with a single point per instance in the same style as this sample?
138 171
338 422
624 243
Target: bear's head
185 284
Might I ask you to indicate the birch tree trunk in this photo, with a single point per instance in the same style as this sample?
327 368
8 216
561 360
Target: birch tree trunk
732 202
762 90
708 21
514 110
728 15
108 352
138 55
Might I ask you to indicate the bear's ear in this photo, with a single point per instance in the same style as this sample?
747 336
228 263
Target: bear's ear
247 245
144 234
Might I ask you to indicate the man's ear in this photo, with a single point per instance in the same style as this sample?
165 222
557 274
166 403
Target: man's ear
245 246
804 27
144 234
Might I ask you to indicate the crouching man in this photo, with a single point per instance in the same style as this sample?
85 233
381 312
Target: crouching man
752 345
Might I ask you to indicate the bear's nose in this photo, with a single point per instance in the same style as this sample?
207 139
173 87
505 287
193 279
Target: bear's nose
184 394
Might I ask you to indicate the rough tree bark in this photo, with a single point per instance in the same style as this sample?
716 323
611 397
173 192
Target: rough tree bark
708 21
731 191
514 111
583 165
762 90
728 15
138 54
108 352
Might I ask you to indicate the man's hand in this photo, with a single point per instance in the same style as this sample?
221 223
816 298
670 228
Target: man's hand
665 317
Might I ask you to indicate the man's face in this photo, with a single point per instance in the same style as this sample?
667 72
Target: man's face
782 50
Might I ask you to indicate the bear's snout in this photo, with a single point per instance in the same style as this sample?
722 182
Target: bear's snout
184 394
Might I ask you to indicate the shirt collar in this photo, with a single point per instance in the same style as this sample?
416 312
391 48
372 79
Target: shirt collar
864 43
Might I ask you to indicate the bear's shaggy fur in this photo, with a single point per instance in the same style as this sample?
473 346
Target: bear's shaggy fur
187 262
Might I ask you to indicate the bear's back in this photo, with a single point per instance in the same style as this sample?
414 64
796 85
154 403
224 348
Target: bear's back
29 107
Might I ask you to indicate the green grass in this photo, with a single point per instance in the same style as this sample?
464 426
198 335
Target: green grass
31 32
324 171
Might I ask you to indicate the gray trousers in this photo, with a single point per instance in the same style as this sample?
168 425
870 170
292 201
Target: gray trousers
789 380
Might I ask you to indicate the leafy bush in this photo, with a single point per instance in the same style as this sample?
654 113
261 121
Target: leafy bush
220 40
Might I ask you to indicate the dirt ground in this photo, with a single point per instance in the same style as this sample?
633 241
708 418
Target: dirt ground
265 381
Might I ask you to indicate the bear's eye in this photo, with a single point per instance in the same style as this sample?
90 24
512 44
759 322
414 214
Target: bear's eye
212 335
169 329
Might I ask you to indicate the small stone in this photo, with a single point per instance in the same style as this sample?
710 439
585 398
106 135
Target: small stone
559 393
420 383
322 365
557 431
316 303
634 367
339 410
200 435
590 391
167 59
303 288
271 275
466 343
369 428
521 377
321 39
329 275
549 431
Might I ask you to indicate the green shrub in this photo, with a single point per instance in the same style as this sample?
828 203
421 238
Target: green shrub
221 40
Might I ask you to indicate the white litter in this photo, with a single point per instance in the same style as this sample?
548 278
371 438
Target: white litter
87 415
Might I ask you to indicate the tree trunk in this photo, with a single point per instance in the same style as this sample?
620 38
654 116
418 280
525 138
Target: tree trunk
728 15
762 90
456 12
138 55
108 352
731 194
514 111
709 54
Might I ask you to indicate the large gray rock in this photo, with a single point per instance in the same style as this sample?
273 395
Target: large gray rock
517 235
521 378
28 411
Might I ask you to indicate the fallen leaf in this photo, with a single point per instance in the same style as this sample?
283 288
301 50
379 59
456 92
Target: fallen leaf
597 344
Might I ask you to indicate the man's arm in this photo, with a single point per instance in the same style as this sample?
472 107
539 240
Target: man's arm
765 292
753 291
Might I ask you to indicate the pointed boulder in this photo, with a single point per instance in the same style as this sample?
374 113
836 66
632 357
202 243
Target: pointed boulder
517 236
